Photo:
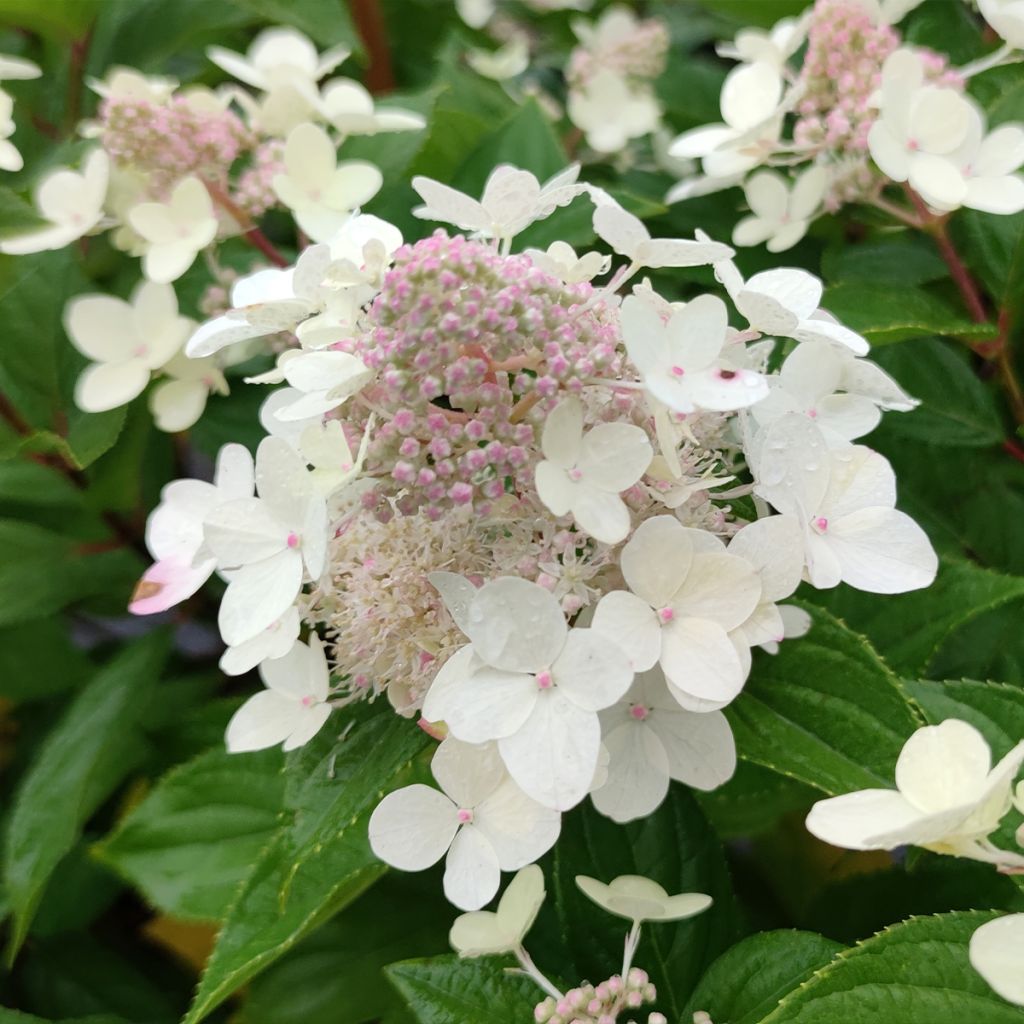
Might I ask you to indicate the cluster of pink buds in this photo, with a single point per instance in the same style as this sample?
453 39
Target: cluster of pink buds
171 140
842 69
601 1004
637 53
499 339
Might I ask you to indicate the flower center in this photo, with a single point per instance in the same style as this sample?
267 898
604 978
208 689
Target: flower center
544 680
575 473
308 701
666 614
639 712
677 371
820 524
465 816
293 540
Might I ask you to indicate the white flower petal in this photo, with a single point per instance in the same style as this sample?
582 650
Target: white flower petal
518 828
471 874
591 670
997 954
632 625
638 774
656 560
553 756
943 766
699 659
411 828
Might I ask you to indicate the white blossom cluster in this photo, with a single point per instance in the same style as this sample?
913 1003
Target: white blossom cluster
833 107
162 181
548 546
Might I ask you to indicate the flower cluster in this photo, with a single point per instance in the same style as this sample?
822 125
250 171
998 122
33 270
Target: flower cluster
850 112
503 495
178 170
611 74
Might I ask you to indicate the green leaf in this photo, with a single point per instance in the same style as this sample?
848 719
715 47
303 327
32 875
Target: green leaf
678 849
92 747
825 710
42 572
62 19
753 800
904 259
996 709
39 366
38 659
909 628
885 314
526 139
447 990
319 861
16 215
16 1017
190 843
746 982
956 409
337 973
326 27
916 972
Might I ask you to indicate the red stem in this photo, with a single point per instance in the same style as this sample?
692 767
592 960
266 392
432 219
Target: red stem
370 24
250 232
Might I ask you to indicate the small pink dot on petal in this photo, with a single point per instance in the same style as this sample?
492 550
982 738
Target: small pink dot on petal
677 371
639 712
575 473
465 816
544 680
666 614
293 540
821 524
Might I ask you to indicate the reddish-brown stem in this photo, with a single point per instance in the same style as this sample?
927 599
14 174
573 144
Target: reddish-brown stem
76 79
996 351
369 21
250 232
1013 448
936 227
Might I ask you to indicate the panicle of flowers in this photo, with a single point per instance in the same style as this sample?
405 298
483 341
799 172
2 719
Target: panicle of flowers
500 494
860 111
610 75
191 133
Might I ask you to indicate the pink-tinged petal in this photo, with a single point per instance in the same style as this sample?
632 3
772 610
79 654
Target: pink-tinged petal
638 774
656 560
467 772
471 874
411 828
699 659
264 720
882 551
167 583
632 625
553 756
518 828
